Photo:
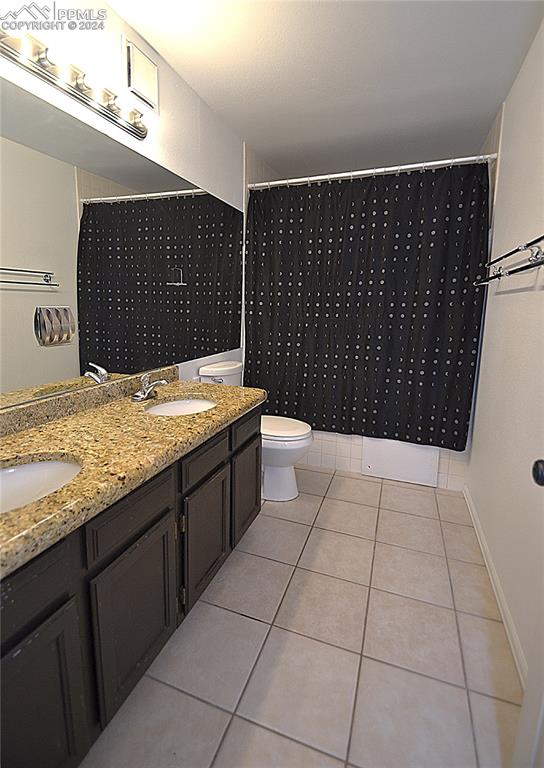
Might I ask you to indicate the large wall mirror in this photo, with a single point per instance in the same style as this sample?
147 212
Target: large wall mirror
151 277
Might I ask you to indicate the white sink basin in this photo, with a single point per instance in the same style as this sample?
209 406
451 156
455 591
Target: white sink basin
181 407
24 483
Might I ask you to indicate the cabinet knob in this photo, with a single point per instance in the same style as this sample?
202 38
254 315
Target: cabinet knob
538 471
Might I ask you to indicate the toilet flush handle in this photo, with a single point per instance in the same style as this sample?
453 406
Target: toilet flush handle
217 379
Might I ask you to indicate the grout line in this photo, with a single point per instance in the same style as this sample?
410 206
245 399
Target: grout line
188 693
378 660
463 666
345 533
287 519
359 666
284 519
283 735
452 522
232 610
240 697
409 549
264 557
495 698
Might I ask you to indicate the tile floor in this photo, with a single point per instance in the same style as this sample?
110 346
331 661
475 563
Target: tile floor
355 626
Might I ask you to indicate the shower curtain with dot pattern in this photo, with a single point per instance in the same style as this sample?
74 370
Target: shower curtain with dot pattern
361 313
131 317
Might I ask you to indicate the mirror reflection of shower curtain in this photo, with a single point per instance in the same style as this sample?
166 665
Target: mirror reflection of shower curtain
130 318
361 315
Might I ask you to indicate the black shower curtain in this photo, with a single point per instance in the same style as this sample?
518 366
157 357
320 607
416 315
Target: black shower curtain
130 319
362 317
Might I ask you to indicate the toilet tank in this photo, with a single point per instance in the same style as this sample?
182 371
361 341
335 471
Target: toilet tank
224 372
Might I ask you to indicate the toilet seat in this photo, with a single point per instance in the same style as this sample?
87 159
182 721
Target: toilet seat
283 429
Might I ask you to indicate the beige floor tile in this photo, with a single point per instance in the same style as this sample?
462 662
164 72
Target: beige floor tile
461 543
324 608
488 659
247 745
404 720
211 654
413 486
336 554
279 540
310 481
413 574
472 590
495 727
250 585
408 500
347 517
410 531
303 689
301 510
453 508
160 727
352 489
415 635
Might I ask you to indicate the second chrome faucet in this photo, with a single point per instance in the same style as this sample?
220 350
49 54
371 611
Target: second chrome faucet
147 388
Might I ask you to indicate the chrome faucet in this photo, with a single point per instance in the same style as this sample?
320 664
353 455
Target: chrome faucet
147 388
100 376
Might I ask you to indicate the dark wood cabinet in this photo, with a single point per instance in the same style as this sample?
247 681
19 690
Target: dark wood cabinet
205 525
134 612
82 621
246 487
43 712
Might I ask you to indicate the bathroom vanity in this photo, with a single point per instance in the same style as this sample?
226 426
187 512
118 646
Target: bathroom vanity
82 620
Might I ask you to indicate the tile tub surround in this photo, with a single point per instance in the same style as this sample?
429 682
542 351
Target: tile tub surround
119 447
318 669
35 412
333 451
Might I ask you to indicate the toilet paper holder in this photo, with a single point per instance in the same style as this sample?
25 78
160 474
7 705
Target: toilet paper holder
54 326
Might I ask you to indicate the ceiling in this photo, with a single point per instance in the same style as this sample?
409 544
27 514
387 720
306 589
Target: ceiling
319 87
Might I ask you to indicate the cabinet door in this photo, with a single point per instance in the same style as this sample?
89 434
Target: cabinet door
133 607
206 516
246 488
43 714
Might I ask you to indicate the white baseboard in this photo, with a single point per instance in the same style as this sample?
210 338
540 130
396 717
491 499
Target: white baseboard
511 632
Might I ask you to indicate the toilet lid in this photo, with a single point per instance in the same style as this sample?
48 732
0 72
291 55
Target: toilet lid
282 428
222 368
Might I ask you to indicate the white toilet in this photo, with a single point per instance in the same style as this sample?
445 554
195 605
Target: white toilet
285 441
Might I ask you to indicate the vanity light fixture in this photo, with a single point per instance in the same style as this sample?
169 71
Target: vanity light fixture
109 100
15 44
33 56
135 118
42 59
78 81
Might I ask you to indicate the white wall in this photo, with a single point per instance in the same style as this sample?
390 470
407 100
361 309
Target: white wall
186 137
509 419
39 231
90 185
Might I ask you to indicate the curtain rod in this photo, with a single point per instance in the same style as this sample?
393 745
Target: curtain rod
375 171
150 196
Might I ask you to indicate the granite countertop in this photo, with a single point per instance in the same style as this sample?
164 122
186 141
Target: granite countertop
8 399
119 447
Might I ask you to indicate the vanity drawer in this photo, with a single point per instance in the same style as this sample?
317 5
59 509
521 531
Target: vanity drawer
119 525
33 592
202 462
244 429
